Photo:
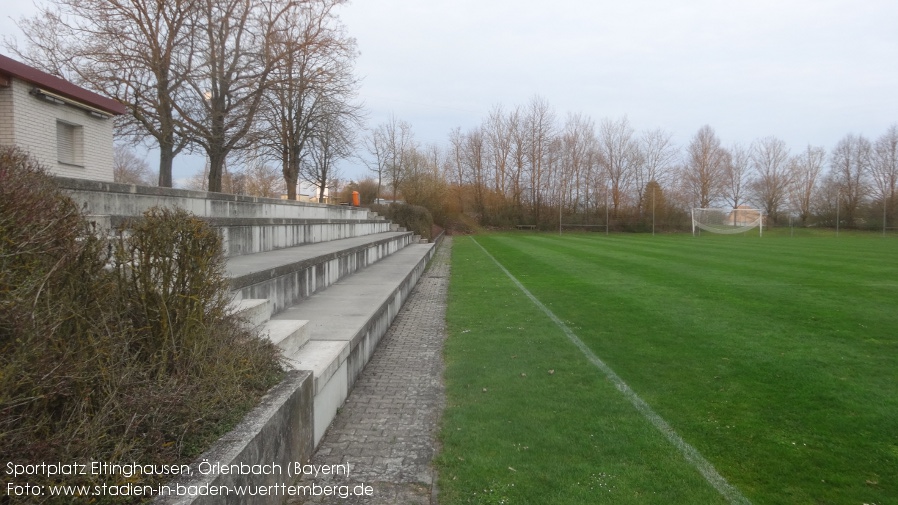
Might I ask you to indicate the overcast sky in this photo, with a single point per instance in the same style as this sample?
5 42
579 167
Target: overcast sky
805 71
808 72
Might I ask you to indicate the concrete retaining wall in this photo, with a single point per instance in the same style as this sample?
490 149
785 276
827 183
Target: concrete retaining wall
108 198
277 433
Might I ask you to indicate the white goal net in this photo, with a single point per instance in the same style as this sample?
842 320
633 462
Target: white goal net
728 221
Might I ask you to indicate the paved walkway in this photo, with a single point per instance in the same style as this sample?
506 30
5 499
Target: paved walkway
386 430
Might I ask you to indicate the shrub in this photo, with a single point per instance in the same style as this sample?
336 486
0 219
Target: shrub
114 352
413 217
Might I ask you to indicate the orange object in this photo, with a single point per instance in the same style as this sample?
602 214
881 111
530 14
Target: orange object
355 199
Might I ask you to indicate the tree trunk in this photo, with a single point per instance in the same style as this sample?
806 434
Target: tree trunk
216 169
291 177
166 158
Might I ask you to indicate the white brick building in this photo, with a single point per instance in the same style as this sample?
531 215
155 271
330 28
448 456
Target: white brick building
66 127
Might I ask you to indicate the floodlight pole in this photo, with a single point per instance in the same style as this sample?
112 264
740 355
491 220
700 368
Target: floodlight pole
606 212
693 221
838 204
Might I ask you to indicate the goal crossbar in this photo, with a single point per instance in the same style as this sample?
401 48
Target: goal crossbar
727 221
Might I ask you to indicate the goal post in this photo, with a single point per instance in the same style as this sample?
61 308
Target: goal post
727 221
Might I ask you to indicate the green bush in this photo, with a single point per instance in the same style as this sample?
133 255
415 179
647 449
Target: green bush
412 217
114 351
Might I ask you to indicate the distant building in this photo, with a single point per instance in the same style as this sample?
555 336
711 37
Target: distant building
743 215
306 192
385 201
66 127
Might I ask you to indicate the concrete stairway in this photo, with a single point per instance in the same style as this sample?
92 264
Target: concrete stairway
326 305
322 282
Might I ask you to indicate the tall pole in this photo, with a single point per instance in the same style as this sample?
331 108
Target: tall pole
838 204
559 216
560 200
653 211
606 211
693 221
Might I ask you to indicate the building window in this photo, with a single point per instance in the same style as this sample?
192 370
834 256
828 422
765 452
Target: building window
69 143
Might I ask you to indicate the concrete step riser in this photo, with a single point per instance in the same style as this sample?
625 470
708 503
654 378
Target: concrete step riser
288 334
295 285
113 199
253 311
240 240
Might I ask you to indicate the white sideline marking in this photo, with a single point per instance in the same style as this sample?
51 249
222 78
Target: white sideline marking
690 453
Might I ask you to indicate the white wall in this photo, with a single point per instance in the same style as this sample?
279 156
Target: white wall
7 135
34 129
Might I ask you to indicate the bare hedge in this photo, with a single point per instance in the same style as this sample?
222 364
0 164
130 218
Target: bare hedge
114 350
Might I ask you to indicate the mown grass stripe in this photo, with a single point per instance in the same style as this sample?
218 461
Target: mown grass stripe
704 467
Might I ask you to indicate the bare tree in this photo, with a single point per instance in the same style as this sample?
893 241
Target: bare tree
578 142
850 162
770 160
705 163
455 166
884 170
263 179
806 169
658 154
516 129
497 135
475 167
425 185
539 129
826 203
311 80
735 178
137 51
333 141
128 168
396 144
199 181
233 57
620 159
375 145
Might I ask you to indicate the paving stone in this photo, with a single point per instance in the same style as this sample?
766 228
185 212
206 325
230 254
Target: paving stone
386 431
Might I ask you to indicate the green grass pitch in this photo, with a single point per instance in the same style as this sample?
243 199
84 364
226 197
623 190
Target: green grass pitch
776 358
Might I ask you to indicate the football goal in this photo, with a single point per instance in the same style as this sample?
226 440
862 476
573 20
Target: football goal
728 221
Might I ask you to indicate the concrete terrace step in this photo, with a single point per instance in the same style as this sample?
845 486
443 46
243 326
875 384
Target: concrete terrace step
253 235
254 311
288 334
249 236
113 199
287 276
346 322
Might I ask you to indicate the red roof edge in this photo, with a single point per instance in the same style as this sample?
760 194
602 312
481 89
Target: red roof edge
59 86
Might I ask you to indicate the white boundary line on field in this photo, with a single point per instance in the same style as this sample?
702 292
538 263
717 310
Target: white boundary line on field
692 455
